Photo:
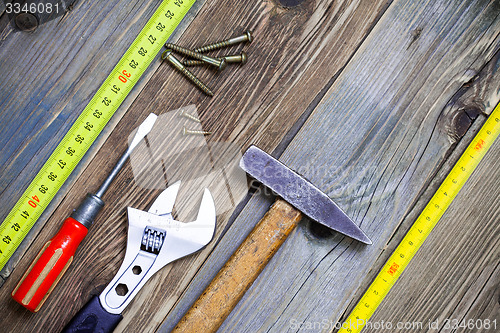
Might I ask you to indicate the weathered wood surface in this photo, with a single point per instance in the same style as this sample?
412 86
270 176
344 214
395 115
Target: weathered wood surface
385 131
49 76
469 226
455 274
272 85
374 142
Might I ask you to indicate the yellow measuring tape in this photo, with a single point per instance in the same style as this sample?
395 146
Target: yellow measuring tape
423 225
89 125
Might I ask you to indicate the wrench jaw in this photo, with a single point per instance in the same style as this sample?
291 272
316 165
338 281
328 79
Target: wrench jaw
186 238
164 203
200 231
179 240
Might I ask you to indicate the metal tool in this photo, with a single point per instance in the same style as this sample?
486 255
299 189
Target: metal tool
424 224
57 254
88 126
241 270
154 240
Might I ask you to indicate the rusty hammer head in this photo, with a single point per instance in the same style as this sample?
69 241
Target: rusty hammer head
299 192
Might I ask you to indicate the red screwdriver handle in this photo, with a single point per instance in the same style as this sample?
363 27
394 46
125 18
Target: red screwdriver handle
49 266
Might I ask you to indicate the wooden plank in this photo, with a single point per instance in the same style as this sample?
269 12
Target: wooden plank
255 103
454 275
384 129
49 78
474 98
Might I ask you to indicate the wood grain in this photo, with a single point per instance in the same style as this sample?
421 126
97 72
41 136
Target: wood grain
384 134
232 281
273 94
455 274
51 74
474 98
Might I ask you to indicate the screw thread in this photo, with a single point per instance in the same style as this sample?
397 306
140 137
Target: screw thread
246 37
186 131
190 116
236 58
213 46
197 82
182 50
219 63
192 62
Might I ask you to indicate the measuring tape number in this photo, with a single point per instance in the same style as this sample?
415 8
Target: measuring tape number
89 124
423 225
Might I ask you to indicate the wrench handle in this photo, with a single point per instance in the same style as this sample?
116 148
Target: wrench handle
49 266
241 270
93 318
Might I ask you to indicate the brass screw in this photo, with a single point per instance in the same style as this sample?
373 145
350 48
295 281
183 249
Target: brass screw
246 37
186 131
180 67
184 114
237 58
219 63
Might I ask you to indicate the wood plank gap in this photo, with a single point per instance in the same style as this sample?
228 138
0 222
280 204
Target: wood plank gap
280 148
459 284
93 150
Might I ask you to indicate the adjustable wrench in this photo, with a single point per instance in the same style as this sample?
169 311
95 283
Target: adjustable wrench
154 240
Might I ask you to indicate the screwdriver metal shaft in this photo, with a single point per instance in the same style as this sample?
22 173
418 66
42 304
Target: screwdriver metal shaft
57 254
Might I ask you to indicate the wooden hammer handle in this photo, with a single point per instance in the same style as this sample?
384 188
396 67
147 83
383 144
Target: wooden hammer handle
241 270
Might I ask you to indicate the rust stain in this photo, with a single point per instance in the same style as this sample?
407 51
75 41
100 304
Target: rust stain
241 270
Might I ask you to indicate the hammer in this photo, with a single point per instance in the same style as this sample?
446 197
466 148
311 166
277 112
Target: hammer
298 197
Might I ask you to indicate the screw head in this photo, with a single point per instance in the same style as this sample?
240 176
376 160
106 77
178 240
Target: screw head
223 64
165 54
243 58
248 33
26 22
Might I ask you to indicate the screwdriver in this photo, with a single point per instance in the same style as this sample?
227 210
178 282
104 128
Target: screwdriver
57 254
